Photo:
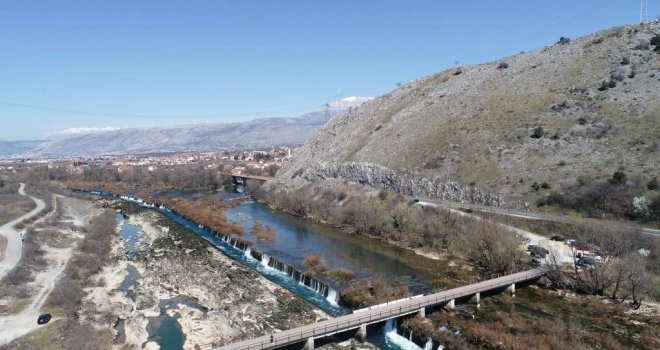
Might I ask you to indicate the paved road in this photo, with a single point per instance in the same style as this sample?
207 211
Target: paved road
517 214
353 321
14 241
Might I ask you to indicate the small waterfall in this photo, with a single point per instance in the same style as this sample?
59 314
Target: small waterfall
332 297
390 326
248 253
410 337
392 336
429 344
264 260
441 347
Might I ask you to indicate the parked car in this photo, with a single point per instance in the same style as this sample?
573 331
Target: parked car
536 250
569 242
43 318
557 238
525 240
583 246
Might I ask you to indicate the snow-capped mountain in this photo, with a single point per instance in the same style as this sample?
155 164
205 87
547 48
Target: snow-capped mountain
264 132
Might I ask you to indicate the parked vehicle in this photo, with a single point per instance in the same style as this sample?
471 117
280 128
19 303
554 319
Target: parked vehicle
557 238
536 250
43 318
583 246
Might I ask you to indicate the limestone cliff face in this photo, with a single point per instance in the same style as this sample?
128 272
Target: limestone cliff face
541 116
401 182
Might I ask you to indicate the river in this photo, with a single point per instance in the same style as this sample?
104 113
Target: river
297 238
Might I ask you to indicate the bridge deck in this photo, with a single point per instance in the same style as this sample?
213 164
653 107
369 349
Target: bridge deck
353 321
245 176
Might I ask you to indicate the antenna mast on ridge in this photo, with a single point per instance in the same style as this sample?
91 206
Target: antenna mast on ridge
643 11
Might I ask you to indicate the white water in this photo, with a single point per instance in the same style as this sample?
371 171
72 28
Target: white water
429 344
264 260
248 253
332 297
393 337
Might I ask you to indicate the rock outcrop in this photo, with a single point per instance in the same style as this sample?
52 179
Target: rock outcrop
400 182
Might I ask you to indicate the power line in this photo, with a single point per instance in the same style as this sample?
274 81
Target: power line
256 114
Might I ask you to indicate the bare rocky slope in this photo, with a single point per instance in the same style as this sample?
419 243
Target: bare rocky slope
468 133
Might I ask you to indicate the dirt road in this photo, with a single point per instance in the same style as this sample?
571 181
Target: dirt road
14 241
14 326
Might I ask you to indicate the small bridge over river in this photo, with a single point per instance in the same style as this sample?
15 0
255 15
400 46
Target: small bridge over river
358 321
241 179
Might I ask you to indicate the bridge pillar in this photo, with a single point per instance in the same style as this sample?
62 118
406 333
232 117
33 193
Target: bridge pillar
309 344
362 332
421 312
477 299
451 305
512 289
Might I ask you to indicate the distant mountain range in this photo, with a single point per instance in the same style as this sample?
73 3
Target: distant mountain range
264 132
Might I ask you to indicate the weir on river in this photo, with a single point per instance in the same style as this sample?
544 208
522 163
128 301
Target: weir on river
280 261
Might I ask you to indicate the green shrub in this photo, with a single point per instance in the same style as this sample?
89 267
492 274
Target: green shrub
536 186
545 186
653 184
656 41
538 132
604 86
619 178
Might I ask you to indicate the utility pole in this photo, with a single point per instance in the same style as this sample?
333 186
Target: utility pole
643 11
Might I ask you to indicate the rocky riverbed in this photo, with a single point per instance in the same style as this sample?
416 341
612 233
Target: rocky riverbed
213 299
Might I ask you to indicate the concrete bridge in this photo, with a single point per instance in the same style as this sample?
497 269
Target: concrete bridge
358 321
241 179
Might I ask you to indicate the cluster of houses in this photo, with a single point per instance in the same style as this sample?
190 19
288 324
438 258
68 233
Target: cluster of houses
229 160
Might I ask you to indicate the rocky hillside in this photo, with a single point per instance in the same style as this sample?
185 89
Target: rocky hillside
577 108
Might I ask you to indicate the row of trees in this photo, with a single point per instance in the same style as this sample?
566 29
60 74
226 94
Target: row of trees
203 210
177 176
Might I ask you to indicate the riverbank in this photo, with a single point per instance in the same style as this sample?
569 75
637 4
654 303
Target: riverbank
213 299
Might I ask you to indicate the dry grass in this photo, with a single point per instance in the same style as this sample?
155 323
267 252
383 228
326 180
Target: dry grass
13 205
3 247
365 293
340 275
314 265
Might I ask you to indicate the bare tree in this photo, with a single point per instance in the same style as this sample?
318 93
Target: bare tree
639 279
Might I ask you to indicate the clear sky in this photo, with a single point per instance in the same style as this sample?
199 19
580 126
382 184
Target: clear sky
118 63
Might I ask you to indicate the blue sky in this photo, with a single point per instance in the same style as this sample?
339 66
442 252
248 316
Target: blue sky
66 64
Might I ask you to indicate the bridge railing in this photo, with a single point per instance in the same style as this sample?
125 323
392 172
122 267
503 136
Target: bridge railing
353 321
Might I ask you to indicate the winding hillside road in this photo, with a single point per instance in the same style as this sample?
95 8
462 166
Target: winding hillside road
14 241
